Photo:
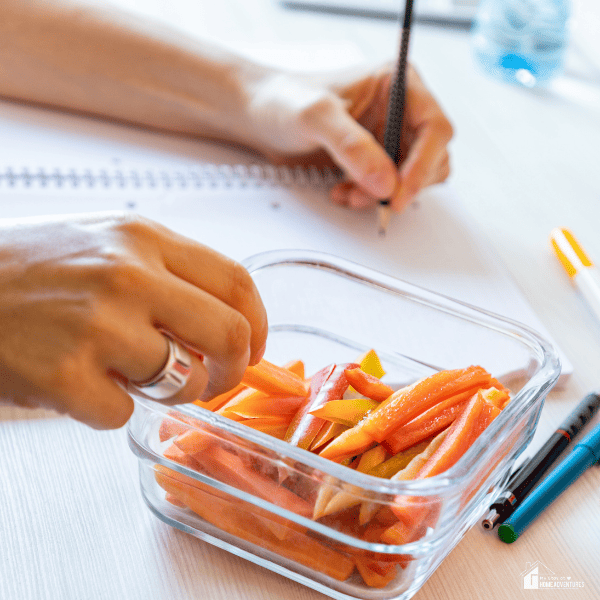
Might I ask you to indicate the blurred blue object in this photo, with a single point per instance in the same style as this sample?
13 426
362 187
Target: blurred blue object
522 41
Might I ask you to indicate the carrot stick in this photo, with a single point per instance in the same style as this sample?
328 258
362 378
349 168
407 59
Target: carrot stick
347 412
328 432
175 424
296 367
275 426
328 384
221 399
265 406
368 385
230 469
193 441
371 576
404 405
274 381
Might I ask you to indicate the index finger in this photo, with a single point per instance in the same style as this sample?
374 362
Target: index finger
218 276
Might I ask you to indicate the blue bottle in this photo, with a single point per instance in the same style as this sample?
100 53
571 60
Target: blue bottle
521 41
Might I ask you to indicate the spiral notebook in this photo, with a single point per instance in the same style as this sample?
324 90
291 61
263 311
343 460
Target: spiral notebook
228 200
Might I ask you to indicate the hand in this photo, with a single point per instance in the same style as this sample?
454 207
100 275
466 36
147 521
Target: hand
323 123
82 299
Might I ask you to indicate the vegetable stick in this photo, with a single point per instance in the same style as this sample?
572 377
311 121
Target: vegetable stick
229 468
296 367
227 516
264 406
404 405
348 497
368 385
221 399
430 422
274 426
328 432
372 577
274 381
348 412
326 385
193 441
175 424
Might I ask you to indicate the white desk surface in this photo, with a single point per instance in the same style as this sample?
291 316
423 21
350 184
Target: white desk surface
73 525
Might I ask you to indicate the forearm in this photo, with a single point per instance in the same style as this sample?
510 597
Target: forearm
90 59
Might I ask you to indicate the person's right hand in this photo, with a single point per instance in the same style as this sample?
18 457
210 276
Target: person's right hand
83 299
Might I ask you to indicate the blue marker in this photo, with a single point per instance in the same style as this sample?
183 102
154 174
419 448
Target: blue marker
584 455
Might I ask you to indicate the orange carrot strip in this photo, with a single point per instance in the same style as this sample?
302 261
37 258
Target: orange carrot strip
193 441
274 426
368 385
427 423
328 432
347 412
274 381
230 469
170 427
221 399
328 384
456 442
265 406
177 455
371 577
404 405
349 443
296 367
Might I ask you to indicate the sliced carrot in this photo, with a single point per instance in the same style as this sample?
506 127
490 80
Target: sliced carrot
175 424
458 440
368 385
229 468
193 441
476 415
274 381
228 516
428 423
296 367
349 443
221 399
274 426
176 455
264 406
348 412
399 461
328 432
371 576
328 384
404 405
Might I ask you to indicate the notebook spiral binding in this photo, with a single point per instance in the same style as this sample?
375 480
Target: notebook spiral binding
213 175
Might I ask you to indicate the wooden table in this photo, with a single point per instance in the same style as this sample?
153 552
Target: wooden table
73 525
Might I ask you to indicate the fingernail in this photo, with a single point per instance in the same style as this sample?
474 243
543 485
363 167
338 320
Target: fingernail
380 183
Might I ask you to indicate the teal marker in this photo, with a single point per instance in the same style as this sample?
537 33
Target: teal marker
583 456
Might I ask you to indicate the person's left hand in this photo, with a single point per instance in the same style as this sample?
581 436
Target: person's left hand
325 123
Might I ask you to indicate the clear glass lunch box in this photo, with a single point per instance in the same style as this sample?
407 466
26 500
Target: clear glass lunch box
323 309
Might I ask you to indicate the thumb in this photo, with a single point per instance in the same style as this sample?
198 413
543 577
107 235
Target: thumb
353 148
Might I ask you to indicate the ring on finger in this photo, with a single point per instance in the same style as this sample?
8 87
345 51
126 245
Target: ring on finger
171 378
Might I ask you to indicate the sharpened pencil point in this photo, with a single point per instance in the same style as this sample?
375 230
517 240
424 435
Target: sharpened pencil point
383 215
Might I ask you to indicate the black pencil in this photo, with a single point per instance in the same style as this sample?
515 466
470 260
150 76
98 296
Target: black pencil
395 113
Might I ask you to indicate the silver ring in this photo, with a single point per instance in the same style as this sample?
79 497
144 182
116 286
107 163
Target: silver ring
171 378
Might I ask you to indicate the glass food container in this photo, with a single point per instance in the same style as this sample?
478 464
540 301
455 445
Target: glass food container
257 496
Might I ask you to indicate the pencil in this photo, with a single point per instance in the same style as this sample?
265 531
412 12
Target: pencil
395 113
